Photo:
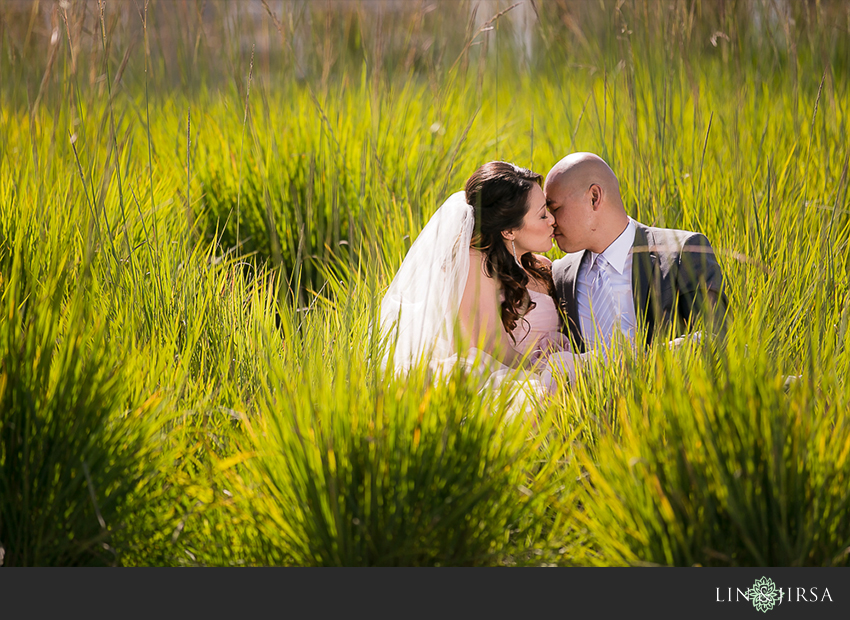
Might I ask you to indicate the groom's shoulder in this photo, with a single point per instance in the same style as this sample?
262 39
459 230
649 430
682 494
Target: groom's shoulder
673 239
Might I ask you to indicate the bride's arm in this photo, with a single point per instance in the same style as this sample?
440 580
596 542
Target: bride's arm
567 363
559 358
480 316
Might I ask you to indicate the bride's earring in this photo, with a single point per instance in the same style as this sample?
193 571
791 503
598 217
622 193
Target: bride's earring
513 247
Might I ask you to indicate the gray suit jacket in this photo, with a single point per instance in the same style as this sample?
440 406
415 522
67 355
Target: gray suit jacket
672 270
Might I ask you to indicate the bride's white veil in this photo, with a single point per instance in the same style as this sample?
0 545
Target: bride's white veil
419 311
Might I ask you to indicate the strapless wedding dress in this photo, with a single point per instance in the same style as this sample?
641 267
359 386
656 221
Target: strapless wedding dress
540 328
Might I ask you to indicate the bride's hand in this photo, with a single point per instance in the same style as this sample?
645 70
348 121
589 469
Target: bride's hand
537 360
695 337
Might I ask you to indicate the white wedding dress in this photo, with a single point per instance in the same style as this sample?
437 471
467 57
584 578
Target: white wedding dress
419 313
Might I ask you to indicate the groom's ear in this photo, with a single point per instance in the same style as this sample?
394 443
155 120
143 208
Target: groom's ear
595 195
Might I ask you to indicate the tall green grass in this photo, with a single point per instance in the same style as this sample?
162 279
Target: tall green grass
195 235
75 448
364 469
720 460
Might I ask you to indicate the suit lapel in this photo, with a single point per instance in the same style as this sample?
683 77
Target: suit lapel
643 266
569 304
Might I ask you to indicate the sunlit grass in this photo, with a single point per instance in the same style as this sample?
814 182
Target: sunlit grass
189 271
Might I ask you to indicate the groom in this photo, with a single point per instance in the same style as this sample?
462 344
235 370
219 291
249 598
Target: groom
619 275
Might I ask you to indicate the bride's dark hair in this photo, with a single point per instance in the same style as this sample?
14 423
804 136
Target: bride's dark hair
498 192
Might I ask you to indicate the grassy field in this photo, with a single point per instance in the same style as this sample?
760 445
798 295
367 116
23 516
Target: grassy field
201 204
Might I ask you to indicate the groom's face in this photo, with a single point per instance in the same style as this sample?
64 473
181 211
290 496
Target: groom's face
573 216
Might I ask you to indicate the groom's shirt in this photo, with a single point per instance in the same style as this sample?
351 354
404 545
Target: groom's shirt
618 256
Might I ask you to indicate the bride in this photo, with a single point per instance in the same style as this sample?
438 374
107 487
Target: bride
472 289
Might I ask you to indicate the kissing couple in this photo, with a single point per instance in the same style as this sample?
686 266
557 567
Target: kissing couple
475 289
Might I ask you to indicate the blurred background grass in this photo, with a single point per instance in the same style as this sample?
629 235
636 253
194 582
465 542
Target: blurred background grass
200 205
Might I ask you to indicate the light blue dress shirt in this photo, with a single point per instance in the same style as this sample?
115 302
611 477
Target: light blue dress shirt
619 271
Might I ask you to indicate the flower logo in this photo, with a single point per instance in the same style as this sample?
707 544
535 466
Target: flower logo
764 594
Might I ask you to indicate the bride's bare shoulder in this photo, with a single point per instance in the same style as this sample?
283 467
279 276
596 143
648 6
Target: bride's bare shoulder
476 259
477 270
543 260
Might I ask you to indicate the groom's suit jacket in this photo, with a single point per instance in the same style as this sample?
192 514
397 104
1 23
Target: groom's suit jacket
675 275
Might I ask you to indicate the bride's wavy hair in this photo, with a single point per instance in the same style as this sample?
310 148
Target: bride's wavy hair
498 192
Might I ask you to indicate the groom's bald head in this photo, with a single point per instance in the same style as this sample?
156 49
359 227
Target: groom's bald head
582 169
584 195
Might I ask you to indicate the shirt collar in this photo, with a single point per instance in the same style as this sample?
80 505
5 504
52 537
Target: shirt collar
617 253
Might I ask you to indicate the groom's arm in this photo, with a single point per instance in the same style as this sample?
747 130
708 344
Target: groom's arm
700 285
